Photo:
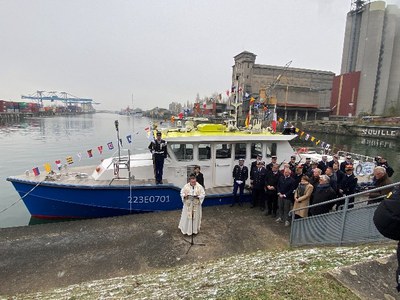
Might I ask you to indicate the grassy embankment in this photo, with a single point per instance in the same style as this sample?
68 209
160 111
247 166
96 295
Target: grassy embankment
289 274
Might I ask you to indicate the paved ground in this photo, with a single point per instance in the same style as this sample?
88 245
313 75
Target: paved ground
42 257
370 280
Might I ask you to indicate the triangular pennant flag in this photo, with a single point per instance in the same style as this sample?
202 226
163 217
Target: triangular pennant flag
69 160
280 120
327 147
297 129
100 148
302 133
79 156
120 142
312 139
307 137
90 154
323 144
47 167
129 138
317 142
36 171
58 164
110 146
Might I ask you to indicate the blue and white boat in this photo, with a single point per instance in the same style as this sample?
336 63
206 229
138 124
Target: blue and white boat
124 184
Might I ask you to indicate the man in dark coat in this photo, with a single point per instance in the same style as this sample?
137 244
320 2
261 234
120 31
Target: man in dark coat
323 193
307 165
343 164
292 164
298 174
332 178
254 165
335 159
240 174
199 176
339 174
271 185
273 161
286 187
347 186
323 164
258 186
158 148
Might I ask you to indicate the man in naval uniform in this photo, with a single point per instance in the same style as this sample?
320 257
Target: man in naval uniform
240 174
158 148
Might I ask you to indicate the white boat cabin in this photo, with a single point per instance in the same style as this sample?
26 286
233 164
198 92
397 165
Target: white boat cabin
215 153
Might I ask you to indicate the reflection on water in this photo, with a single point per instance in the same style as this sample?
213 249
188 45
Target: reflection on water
36 141
389 149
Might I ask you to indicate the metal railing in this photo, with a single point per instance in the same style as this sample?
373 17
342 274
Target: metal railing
350 223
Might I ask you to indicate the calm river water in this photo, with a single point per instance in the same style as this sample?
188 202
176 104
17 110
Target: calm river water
34 142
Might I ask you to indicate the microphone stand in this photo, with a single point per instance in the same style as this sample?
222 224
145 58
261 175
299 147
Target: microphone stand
191 242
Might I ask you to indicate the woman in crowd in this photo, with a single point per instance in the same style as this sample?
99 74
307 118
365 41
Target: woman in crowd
302 197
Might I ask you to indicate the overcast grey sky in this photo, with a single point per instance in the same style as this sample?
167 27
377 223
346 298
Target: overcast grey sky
158 51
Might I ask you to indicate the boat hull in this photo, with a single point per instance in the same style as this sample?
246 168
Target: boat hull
63 201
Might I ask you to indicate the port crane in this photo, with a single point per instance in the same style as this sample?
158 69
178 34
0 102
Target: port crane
64 97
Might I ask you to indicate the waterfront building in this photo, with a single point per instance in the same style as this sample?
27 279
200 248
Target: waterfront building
370 71
299 94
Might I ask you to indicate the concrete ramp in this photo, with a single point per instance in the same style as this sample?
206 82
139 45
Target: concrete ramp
374 279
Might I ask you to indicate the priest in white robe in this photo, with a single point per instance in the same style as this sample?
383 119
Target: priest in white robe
192 195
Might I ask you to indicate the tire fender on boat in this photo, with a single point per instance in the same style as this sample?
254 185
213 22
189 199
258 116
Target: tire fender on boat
359 170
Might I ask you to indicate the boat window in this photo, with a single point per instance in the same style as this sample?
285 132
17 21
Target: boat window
256 149
183 152
204 151
271 149
223 150
240 150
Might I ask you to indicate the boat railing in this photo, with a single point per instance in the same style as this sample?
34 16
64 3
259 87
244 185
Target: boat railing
121 162
356 156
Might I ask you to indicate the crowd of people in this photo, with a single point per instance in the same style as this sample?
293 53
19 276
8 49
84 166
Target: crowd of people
296 186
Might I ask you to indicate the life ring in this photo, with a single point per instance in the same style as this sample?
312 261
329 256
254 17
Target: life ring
359 169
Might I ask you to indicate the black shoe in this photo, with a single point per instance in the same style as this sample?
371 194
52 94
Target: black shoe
232 205
252 206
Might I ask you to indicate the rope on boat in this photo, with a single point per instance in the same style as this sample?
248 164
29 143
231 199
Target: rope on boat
21 198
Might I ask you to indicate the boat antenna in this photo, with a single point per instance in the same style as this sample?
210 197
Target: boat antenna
119 149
